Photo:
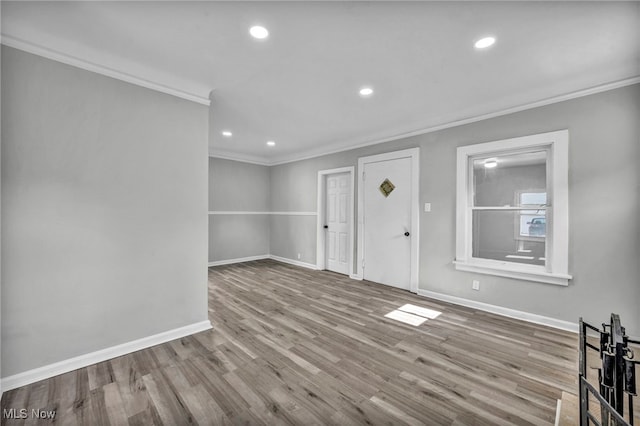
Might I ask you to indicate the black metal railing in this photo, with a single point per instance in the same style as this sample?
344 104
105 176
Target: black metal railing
616 375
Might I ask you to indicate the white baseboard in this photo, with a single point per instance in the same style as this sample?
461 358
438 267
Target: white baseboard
265 256
356 277
51 370
238 260
500 310
558 409
294 262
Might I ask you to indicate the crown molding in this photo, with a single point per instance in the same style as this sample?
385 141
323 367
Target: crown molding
54 55
345 146
307 154
234 156
355 144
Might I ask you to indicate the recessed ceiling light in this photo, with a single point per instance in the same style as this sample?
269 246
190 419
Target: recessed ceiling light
227 133
366 91
271 143
258 32
485 42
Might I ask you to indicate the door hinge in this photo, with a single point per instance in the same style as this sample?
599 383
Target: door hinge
362 175
362 263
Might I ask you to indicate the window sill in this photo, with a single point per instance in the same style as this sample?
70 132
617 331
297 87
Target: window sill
509 271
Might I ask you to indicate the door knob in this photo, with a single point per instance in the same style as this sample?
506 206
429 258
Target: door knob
406 234
326 226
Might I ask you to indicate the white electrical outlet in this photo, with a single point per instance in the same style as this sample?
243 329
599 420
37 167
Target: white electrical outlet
299 256
427 207
475 284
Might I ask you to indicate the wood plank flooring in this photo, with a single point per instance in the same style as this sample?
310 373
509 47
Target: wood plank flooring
295 346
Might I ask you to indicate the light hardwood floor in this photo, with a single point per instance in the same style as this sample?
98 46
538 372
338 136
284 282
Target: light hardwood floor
295 346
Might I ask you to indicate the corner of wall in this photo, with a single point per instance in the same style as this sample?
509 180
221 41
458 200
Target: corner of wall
0 217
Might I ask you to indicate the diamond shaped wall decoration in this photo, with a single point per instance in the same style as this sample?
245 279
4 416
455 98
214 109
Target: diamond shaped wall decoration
386 187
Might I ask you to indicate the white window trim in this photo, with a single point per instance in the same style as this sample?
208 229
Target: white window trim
556 271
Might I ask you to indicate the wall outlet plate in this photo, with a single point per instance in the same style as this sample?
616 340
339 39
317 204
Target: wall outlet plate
475 284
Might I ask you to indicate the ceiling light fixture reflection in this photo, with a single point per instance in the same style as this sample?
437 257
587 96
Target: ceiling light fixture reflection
485 42
366 92
227 133
491 163
271 143
258 32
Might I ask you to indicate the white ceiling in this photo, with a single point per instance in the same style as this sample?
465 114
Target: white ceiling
300 86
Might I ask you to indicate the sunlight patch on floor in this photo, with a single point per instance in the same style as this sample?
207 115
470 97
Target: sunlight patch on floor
412 314
417 310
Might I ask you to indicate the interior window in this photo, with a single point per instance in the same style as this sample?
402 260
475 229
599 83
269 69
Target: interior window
509 207
512 208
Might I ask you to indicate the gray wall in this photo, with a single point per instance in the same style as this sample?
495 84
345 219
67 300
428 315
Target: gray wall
104 212
0 219
604 207
294 188
238 187
293 235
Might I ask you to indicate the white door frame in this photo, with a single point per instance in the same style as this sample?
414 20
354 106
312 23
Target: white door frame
321 262
414 154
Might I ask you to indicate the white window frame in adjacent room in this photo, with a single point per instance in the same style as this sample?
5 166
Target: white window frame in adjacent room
555 270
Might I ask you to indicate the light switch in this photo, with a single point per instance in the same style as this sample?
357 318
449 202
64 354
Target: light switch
427 207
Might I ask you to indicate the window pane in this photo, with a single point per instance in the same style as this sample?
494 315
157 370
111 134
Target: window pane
503 180
533 223
497 235
533 198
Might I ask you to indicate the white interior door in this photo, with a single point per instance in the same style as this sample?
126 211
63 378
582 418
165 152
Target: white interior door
337 216
387 221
